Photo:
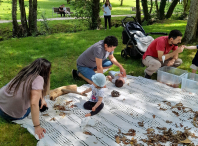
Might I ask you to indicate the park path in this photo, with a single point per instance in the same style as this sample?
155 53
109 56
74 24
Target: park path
63 18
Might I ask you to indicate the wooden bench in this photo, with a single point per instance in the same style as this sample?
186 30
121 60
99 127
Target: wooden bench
55 10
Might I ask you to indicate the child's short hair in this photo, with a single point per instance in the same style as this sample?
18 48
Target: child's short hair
119 83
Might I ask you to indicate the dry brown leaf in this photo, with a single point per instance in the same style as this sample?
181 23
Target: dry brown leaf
68 102
185 141
119 131
72 106
186 128
167 103
193 135
45 115
141 124
153 116
59 107
149 130
162 109
62 114
117 139
87 133
181 125
167 121
131 132
161 128
53 119
176 113
123 138
179 108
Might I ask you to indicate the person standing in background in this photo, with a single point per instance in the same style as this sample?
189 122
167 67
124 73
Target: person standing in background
106 8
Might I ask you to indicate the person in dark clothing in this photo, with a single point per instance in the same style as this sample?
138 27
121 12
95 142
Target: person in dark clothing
194 65
61 11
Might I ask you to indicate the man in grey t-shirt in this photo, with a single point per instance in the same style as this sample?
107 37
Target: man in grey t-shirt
95 59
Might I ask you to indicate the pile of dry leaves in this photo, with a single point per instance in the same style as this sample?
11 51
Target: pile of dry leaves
155 139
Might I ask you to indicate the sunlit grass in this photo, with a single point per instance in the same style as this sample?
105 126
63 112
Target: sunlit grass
45 7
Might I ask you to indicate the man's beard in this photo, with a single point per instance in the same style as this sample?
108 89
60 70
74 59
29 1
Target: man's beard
173 44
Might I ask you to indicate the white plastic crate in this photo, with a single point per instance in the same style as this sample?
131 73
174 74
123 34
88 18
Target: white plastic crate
170 76
190 82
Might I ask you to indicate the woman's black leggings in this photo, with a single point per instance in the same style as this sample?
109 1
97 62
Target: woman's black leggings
88 105
109 20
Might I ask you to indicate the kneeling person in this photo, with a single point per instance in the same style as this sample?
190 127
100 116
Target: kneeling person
95 59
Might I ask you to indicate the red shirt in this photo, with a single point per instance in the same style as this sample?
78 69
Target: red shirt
159 44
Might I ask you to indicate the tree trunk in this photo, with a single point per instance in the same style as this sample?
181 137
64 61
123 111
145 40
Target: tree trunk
145 10
14 18
192 24
138 12
157 9
121 2
25 31
35 16
171 8
161 10
151 7
30 18
95 11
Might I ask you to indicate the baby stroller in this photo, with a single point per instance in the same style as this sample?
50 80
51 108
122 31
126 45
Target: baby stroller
135 38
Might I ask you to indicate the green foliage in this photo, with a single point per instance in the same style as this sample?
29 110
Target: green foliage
46 6
84 11
45 29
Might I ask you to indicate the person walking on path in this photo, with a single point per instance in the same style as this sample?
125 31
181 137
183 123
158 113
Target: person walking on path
106 8
161 46
22 94
95 59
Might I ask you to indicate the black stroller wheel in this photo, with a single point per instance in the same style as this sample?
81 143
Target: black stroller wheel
123 54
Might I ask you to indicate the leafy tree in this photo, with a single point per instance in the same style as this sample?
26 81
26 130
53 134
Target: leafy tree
88 11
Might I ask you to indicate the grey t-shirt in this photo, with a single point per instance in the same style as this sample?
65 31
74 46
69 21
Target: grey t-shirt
88 57
16 105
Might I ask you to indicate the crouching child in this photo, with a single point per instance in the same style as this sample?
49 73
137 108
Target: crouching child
95 102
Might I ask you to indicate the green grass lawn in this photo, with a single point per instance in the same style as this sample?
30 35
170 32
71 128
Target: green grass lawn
45 7
62 50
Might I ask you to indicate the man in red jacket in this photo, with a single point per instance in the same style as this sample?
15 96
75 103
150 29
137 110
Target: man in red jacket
162 46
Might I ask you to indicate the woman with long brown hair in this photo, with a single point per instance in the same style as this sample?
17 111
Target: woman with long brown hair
22 94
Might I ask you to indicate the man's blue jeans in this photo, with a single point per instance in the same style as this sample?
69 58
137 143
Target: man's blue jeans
89 72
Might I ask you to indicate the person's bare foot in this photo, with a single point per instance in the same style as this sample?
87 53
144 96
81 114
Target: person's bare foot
87 115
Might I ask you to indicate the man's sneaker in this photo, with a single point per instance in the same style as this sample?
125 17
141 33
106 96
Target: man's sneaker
75 74
147 76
